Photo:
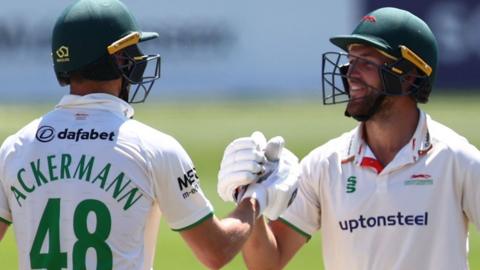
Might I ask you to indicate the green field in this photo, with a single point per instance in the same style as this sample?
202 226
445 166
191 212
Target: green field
205 128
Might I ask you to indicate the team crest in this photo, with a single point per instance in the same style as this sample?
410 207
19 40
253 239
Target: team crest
369 18
419 180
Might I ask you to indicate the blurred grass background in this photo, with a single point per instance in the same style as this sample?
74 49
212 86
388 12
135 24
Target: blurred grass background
204 128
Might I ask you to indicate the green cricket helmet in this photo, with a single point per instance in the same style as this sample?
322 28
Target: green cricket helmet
89 33
398 34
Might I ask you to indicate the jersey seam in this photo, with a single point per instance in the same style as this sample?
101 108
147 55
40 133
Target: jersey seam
149 167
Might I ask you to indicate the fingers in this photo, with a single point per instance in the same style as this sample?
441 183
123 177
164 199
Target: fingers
229 181
241 165
274 147
243 155
241 143
244 162
245 149
246 166
240 178
256 141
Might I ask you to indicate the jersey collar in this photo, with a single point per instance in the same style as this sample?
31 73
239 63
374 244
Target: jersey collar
359 152
97 101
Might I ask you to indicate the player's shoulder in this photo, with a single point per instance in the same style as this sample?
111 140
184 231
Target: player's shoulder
14 143
37 128
24 135
147 132
439 133
152 139
158 147
447 139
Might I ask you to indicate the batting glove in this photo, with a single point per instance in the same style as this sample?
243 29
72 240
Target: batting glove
281 185
242 164
277 187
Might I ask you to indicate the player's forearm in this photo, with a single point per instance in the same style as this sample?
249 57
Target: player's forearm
237 227
261 249
216 241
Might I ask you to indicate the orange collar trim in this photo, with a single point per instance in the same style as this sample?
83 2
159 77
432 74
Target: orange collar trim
372 163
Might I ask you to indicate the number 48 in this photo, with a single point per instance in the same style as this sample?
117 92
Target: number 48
55 259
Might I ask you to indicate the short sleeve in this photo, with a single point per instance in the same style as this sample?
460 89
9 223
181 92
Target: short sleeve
303 215
5 214
177 189
470 164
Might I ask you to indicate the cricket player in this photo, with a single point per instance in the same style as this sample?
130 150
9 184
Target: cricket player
399 190
85 184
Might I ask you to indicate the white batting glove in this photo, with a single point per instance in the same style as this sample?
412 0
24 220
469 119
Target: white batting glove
281 185
242 164
277 187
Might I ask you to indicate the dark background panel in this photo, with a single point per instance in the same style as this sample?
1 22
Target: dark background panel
456 24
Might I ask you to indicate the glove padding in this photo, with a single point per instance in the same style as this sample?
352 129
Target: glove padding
242 164
276 190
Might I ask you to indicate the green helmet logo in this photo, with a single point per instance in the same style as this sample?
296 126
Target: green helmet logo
402 37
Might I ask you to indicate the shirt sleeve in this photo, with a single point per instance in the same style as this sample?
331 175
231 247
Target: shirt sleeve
177 189
303 215
5 212
5 215
469 164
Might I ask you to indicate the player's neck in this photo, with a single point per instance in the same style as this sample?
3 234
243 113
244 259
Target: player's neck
388 134
85 87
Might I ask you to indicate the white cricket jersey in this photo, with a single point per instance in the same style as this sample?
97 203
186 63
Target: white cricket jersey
411 214
82 186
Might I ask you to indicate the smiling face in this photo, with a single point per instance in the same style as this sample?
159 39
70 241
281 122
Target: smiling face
363 76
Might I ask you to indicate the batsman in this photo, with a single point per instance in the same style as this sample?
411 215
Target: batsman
398 191
85 185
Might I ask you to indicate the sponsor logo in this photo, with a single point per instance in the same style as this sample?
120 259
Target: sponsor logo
48 133
369 18
351 184
195 188
189 183
187 179
63 54
419 180
45 133
398 219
